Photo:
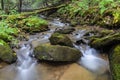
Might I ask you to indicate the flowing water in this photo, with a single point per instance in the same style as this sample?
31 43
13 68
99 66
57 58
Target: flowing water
27 68
92 60
26 64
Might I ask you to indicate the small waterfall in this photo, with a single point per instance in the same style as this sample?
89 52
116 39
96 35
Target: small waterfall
92 60
26 64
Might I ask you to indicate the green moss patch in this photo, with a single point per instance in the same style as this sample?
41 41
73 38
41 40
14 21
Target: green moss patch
115 63
30 24
7 33
6 53
60 39
106 42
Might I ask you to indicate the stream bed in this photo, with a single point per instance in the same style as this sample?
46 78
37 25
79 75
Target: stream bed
91 66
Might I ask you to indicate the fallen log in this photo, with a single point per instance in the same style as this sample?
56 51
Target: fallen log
38 11
43 10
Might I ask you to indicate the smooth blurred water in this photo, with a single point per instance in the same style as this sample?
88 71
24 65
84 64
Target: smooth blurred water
57 22
92 60
26 64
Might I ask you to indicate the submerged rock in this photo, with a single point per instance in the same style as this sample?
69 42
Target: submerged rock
60 39
56 53
115 63
6 53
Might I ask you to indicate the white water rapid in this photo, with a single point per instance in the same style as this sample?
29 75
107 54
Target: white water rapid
91 58
26 64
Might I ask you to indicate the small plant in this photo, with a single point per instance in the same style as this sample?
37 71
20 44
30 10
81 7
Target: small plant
2 42
34 21
7 33
105 4
13 12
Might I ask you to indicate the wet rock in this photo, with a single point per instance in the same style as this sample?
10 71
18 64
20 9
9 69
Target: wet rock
105 42
33 30
37 42
60 39
67 30
115 63
82 41
56 53
6 53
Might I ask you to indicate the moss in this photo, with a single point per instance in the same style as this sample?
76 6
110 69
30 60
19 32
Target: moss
116 71
7 33
34 24
12 18
116 55
56 53
115 63
60 39
107 41
106 32
29 24
6 53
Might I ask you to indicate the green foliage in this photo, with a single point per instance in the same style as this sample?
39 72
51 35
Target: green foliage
2 12
116 72
34 21
116 15
2 42
100 12
83 5
115 63
75 7
30 24
6 32
106 4
12 19
13 12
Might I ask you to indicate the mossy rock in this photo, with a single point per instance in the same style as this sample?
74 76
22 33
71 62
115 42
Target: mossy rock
67 30
13 19
49 52
105 42
34 24
115 63
60 39
6 53
29 24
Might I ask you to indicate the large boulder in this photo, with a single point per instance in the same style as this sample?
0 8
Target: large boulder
60 39
6 53
115 63
56 53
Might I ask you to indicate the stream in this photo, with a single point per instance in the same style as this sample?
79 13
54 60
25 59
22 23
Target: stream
91 66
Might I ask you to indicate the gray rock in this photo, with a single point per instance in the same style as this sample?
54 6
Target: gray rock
56 53
60 39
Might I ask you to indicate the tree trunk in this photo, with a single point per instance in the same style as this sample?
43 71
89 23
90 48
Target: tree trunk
2 4
20 5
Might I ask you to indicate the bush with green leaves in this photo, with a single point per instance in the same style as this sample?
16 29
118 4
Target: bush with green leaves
100 12
6 32
34 24
34 21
